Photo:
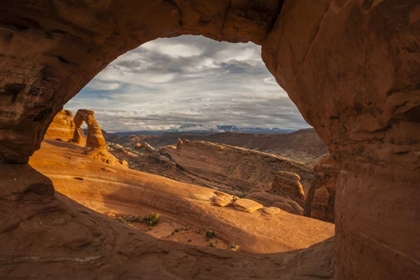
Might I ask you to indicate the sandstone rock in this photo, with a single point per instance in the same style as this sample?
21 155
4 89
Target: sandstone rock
271 210
231 169
94 139
289 206
288 184
222 201
202 197
321 196
179 144
286 204
247 205
62 126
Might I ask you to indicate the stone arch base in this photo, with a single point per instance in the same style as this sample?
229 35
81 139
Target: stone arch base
351 67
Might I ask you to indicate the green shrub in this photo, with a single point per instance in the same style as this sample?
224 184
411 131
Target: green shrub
210 234
152 220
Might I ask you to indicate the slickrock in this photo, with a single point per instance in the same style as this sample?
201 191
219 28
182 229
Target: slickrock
303 145
232 169
235 170
321 196
271 210
62 126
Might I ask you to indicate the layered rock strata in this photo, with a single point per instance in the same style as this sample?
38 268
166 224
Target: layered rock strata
62 126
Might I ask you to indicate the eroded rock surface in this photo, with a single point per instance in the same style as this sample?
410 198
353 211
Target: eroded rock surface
288 184
235 170
94 138
303 145
351 67
321 195
62 126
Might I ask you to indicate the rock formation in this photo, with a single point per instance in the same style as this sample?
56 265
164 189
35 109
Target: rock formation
350 66
95 141
321 195
232 169
62 126
303 145
94 138
288 184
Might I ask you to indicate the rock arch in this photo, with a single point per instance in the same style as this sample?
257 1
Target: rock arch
95 138
350 66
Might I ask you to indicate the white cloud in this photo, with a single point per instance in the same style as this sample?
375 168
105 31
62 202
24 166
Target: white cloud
173 50
184 80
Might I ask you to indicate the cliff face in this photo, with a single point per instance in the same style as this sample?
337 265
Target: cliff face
351 67
321 195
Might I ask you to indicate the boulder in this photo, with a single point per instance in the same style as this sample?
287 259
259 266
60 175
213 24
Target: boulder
222 201
247 205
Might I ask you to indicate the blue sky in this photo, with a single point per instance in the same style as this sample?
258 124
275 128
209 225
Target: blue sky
171 82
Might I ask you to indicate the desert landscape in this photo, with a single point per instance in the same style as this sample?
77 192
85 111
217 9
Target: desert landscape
339 201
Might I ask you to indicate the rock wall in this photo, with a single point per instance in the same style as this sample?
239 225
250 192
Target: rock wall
62 126
350 66
352 74
321 195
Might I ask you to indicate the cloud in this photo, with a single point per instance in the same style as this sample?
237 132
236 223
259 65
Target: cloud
188 80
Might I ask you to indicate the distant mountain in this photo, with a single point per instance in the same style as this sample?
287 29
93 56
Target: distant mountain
195 128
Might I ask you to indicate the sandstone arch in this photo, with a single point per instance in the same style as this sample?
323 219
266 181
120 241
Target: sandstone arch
351 67
95 138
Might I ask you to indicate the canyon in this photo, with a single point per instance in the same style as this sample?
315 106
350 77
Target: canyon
350 66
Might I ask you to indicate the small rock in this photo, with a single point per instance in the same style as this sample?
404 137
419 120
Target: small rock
247 205
222 201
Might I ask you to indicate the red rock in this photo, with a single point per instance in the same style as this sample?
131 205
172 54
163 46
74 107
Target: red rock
321 195
62 126
351 67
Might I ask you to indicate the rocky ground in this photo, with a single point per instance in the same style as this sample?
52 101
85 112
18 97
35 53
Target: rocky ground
78 233
116 190
303 145
237 171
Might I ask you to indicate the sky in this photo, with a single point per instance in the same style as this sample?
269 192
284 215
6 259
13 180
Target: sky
187 80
